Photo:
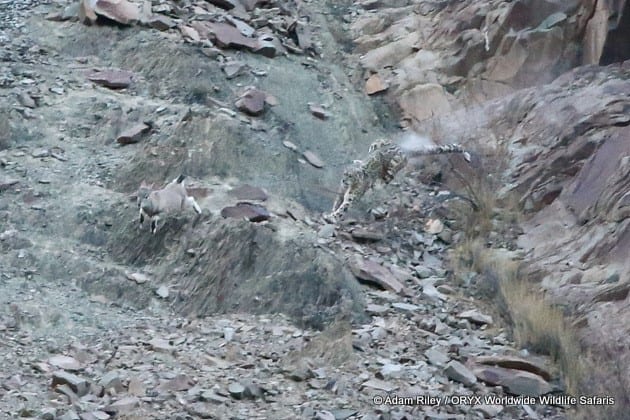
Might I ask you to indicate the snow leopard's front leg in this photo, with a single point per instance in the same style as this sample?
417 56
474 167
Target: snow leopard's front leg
339 211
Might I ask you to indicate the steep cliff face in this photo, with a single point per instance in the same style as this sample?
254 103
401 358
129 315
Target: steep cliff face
434 57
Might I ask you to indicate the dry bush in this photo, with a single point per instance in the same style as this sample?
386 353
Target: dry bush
481 185
540 327
535 324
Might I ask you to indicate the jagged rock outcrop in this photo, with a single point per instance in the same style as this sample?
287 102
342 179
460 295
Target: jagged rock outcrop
438 56
569 167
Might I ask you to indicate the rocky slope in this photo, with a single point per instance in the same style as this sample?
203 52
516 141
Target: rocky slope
494 74
254 308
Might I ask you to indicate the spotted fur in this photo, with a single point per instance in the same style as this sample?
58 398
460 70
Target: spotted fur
385 159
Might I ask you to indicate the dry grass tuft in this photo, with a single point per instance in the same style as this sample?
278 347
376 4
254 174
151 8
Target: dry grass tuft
535 324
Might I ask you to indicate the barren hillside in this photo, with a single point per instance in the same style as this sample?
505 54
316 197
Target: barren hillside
495 288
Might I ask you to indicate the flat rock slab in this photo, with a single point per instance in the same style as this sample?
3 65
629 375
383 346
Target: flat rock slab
514 362
379 384
248 192
476 317
405 307
372 272
251 212
133 134
112 78
516 382
228 36
161 22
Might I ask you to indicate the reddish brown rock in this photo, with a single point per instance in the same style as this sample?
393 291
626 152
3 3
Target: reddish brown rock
121 11
133 134
247 192
372 272
514 362
252 102
375 84
112 78
515 382
228 36
251 212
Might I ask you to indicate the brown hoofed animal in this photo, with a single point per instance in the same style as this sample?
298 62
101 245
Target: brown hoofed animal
171 199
